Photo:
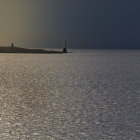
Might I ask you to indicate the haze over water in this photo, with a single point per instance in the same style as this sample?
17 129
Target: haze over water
90 95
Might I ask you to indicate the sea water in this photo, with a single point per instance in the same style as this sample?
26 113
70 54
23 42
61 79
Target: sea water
84 95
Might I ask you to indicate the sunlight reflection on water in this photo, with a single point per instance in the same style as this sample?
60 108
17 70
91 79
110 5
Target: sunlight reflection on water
92 95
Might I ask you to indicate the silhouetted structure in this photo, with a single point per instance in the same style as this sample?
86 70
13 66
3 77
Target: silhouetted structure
12 45
65 48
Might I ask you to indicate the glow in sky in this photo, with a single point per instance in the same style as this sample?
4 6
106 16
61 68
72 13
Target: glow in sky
24 22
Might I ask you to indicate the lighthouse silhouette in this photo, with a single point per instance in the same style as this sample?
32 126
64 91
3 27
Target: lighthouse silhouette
65 48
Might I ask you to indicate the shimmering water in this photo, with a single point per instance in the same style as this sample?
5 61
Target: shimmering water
92 95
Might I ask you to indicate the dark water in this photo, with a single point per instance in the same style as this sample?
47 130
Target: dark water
92 95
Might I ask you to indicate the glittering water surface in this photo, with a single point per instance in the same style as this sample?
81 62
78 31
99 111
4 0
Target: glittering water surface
92 95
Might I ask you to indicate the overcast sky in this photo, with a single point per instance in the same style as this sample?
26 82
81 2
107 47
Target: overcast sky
85 23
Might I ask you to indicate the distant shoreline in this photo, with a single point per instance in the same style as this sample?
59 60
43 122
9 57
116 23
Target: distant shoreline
10 49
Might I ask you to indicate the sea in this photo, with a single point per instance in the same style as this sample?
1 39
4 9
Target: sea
81 95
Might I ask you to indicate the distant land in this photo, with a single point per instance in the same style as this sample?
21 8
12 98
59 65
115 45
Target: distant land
13 49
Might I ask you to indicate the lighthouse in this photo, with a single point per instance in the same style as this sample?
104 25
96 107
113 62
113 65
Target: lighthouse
12 45
65 48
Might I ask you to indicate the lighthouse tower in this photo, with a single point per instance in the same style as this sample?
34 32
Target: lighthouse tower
65 48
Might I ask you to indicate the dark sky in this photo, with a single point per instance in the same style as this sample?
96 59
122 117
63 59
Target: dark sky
85 23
